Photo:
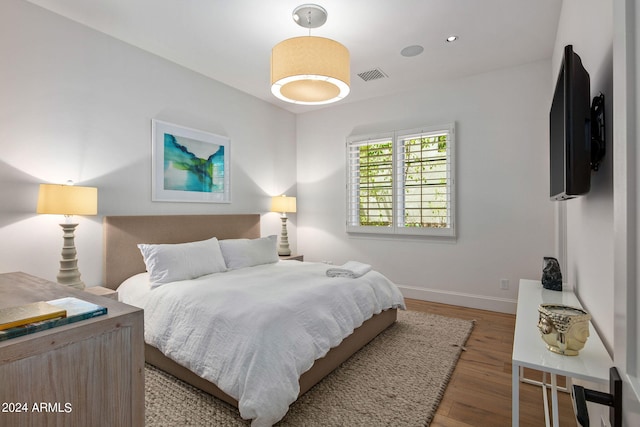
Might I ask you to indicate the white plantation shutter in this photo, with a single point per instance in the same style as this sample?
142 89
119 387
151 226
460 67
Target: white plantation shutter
371 183
423 180
402 183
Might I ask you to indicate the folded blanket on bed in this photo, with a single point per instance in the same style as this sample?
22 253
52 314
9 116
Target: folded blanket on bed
352 269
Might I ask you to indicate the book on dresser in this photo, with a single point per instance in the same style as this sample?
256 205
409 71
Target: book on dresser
24 314
72 309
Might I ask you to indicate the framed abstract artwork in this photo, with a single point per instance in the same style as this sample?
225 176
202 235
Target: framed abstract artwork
188 165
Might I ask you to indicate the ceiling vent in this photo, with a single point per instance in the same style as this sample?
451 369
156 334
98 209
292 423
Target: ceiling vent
374 74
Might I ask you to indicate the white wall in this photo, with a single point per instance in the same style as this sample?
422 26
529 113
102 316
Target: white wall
589 219
77 104
586 224
504 216
626 104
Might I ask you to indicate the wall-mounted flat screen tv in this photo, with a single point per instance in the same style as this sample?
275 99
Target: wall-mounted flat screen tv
570 130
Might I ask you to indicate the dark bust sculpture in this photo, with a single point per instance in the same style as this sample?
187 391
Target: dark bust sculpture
551 274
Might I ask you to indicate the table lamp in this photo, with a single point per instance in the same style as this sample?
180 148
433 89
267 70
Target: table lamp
68 200
283 204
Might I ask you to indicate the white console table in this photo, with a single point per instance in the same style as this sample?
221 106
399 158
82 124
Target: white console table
529 351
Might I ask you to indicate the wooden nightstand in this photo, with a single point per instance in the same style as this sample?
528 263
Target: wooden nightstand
292 257
91 370
103 292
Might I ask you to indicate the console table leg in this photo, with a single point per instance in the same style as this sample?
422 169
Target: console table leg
545 400
515 395
554 399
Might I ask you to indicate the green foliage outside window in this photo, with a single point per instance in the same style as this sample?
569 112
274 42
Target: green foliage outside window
423 190
376 184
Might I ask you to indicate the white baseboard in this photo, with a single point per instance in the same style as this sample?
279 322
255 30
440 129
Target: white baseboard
501 305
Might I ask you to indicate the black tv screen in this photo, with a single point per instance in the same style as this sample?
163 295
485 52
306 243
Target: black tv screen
570 130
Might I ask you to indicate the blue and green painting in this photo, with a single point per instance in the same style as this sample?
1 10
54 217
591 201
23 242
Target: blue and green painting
192 165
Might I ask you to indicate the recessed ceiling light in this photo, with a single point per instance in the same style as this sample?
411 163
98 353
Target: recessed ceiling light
452 39
413 50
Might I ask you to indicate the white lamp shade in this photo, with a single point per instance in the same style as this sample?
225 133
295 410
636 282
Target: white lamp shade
67 200
310 70
283 204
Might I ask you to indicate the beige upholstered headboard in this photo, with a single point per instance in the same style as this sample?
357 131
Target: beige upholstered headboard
122 259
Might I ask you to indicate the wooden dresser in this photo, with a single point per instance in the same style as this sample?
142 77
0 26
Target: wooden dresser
88 373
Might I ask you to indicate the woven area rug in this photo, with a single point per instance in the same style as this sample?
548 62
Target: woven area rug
398 379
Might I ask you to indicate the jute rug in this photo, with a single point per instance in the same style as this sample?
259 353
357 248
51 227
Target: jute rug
396 380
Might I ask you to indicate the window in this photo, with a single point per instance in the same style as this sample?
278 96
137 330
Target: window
402 182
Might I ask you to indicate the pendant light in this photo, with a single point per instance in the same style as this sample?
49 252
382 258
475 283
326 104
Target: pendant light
310 70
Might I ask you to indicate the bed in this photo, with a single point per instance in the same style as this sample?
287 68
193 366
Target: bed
123 261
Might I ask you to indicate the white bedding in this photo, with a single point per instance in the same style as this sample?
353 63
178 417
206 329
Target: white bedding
255 330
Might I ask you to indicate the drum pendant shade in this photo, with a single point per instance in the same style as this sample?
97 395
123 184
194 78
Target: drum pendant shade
310 70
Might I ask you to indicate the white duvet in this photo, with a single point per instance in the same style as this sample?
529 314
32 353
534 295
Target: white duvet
255 330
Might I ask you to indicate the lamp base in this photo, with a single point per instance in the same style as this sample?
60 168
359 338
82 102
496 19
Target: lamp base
69 274
283 247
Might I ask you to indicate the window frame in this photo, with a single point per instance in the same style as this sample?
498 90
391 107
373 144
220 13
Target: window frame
397 184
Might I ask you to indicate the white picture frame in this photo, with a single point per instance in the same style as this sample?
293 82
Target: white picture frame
189 165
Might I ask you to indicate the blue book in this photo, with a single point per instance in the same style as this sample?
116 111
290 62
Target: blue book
76 309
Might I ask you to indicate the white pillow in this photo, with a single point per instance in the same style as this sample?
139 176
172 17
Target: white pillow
240 253
182 261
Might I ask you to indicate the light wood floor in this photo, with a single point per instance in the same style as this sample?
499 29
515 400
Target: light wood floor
479 393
